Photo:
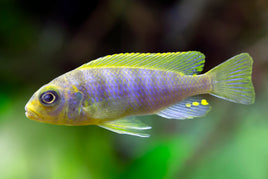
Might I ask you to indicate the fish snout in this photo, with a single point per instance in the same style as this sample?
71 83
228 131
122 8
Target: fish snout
31 114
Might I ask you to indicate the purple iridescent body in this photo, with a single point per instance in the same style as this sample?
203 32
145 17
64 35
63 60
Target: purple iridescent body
138 91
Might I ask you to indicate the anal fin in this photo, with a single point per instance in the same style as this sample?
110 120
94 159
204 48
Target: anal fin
128 126
189 108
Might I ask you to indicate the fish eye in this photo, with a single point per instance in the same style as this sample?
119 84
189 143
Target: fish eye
49 97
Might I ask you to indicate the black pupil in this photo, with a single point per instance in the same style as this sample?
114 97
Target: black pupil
48 98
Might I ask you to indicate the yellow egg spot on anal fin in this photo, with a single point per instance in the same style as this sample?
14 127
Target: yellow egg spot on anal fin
204 102
195 103
186 109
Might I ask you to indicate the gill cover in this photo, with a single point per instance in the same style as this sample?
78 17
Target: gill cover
74 104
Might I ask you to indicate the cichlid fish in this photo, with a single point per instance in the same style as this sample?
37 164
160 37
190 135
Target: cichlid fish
108 91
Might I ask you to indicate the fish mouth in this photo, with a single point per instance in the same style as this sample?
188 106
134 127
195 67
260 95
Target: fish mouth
31 114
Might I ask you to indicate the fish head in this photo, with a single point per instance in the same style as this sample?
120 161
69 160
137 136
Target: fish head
47 105
55 104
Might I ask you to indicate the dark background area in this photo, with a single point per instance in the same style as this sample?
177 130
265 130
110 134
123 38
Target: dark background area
40 40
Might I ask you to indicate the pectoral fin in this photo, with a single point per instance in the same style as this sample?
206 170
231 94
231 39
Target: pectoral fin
128 126
106 109
110 108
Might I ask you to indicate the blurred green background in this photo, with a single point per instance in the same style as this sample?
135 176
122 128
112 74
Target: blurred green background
39 40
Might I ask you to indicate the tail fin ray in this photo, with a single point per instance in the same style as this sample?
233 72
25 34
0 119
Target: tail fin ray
231 80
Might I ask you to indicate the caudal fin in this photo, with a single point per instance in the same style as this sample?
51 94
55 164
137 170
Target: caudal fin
232 80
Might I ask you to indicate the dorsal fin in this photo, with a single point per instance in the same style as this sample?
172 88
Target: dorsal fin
188 63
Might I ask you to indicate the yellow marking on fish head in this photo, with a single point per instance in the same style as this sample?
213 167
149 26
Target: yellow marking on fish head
75 88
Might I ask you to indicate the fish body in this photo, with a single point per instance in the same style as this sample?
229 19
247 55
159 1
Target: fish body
107 91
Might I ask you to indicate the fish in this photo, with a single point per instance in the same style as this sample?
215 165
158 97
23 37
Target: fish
113 90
